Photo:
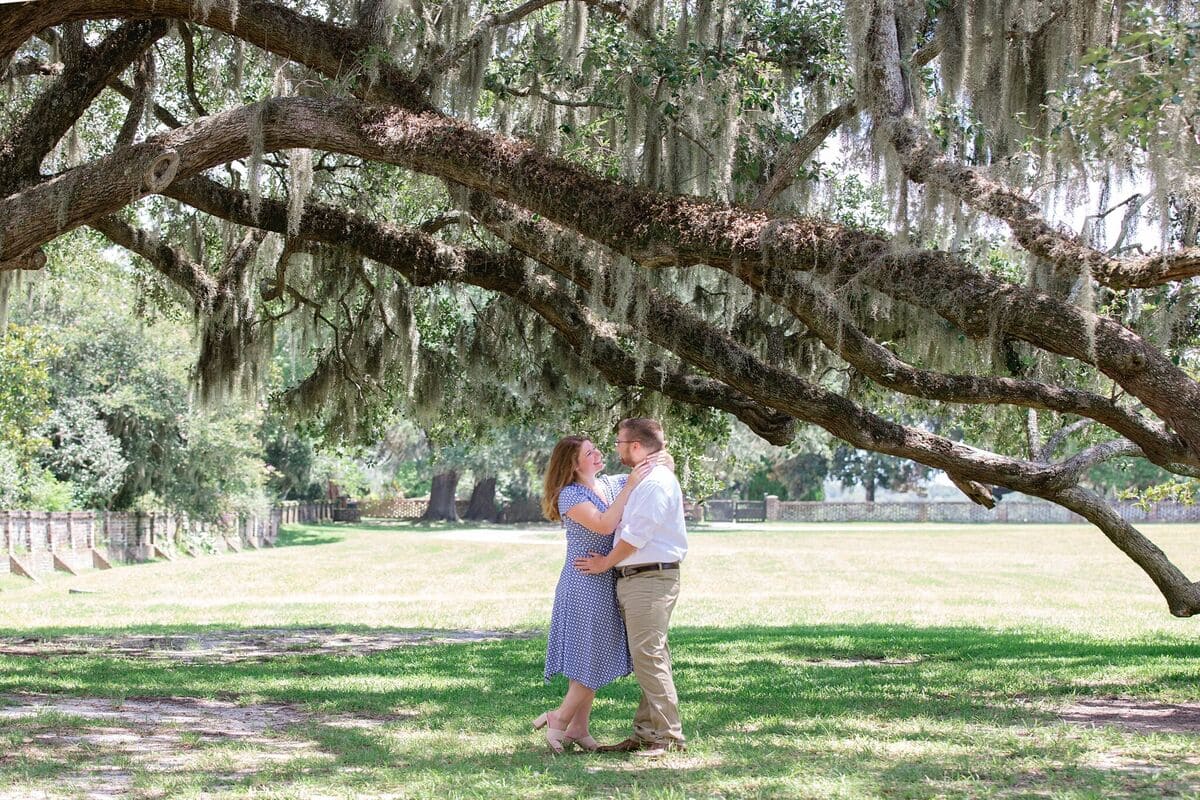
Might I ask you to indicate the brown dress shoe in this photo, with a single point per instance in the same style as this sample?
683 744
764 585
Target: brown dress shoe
630 745
656 749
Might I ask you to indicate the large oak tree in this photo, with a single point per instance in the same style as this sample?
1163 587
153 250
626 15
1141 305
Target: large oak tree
657 194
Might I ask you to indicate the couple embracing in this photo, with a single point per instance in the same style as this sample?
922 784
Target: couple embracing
613 603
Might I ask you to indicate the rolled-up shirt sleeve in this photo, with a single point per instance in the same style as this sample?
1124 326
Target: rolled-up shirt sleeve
647 506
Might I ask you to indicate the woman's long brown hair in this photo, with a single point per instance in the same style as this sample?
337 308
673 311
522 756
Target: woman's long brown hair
559 473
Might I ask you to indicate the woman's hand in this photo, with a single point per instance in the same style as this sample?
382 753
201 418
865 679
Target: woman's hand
666 459
638 473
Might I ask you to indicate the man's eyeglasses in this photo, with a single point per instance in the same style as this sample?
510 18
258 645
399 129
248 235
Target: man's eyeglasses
624 441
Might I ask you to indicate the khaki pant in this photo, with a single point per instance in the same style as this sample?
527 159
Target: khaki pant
647 600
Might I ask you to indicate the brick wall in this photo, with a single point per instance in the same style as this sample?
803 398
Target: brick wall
42 541
1007 511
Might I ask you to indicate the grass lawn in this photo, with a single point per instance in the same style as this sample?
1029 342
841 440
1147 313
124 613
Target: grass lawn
822 661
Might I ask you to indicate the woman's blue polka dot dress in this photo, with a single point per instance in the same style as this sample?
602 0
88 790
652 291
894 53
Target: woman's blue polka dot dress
587 635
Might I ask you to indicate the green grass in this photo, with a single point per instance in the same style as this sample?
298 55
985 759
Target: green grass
973 638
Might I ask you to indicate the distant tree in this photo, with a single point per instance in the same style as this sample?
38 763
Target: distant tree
803 475
1125 475
762 481
874 471
81 452
289 455
119 426
25 354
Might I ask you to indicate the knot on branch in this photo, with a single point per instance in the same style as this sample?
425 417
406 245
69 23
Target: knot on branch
977 492
30 260
161 172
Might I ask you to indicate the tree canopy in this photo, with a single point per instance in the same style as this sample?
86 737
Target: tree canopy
846 215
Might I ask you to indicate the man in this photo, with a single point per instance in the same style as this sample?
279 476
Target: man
649 545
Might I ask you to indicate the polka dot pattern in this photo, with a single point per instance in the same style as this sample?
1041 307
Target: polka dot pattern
587 635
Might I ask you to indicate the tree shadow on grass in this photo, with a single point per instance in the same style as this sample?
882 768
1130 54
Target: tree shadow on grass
856 709
309 534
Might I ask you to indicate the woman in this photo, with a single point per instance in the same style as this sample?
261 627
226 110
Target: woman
587 635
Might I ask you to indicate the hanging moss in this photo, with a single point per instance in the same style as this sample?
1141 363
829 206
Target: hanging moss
300 180
574 34
238 58
254 162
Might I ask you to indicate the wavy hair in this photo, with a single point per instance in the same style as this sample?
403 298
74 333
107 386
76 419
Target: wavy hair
559 473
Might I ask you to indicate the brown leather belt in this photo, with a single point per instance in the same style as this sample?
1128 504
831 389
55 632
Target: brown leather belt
634 569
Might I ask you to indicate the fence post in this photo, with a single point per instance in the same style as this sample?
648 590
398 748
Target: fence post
772 507
139 536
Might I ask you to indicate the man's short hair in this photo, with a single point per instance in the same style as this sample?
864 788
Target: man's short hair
648 432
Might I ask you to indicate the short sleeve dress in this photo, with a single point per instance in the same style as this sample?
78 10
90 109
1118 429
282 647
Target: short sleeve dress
587 635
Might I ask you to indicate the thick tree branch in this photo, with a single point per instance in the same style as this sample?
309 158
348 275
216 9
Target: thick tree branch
330 49
30 66
923 161
1060 436
553 99
540 241
783 174
31 260
423 260
240 259
672 325
59 106
193 278
653 228
163 115
189 68
482 28
1182 595
143 80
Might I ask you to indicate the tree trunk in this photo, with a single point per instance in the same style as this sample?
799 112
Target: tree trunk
441 498
483 501
869 485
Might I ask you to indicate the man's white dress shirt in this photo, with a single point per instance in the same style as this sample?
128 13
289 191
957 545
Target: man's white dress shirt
653 520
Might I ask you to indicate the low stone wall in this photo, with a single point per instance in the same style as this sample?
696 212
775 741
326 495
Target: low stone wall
1011 511
39 542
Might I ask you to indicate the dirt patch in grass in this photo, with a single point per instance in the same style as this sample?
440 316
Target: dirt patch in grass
218 647
1145 716
96 746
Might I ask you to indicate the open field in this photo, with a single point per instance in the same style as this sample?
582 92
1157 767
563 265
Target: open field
813 661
